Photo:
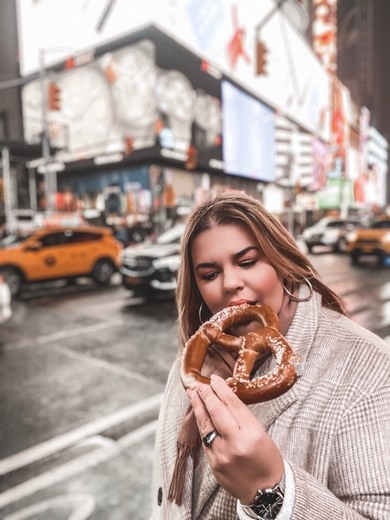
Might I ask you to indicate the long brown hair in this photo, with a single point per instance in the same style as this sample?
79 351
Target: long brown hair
272 239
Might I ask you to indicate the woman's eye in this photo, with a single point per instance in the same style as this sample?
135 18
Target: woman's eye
209 276
248 263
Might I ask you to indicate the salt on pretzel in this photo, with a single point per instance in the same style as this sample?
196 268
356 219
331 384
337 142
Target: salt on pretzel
250 347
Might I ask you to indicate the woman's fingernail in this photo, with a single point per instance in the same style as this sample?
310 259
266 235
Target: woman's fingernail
214 379
202 387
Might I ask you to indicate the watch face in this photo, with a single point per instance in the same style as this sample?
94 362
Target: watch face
268 505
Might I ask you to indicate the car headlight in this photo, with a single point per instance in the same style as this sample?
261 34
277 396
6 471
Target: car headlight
386 238
130 261
169 262
332 234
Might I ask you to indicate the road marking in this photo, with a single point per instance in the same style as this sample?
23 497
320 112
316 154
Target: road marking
52 446
64 334
121 302
82 504
77 465
137 435
103 364
58 336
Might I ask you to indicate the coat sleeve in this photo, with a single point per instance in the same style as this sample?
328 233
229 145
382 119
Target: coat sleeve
359 475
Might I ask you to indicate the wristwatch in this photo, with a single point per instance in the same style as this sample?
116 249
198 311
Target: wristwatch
267 503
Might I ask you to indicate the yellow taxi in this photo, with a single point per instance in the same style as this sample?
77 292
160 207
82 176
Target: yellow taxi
373 241
59 252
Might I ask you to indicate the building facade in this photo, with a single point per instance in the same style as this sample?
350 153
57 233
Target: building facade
158 108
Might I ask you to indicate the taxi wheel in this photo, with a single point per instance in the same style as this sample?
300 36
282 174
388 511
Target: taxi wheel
103 271
13 279
381 259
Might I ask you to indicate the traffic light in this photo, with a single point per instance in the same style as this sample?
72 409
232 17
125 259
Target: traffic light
54 96
69 63
192 158
261 57
128 145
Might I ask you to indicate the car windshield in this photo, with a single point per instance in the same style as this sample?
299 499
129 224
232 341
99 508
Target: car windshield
381 224
335 223
13 240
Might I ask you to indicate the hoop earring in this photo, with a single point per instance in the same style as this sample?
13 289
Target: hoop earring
300 300
200 313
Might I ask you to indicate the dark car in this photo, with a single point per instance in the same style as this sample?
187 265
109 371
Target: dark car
150 268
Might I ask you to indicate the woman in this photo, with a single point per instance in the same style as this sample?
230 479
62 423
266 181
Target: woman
319 451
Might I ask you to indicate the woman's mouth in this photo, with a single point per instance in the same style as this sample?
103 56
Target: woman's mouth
241 302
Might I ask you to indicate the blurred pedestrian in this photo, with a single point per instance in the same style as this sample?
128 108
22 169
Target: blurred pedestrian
3 231
121 232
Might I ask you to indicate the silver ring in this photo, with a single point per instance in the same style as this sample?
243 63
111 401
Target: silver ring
209 438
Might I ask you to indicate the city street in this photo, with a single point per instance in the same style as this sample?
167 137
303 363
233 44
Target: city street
82 373
118 120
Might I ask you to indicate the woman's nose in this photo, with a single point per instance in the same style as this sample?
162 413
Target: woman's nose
232 281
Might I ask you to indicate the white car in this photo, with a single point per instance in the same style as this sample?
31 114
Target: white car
5 301
330 232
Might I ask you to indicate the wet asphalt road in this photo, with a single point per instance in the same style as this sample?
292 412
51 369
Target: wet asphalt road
81 377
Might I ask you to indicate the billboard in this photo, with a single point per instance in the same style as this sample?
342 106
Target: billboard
338 193
248 135
142 93
224 32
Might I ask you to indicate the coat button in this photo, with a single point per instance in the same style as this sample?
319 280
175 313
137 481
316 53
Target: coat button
159 496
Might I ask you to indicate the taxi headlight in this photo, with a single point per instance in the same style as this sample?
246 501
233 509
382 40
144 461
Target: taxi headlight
351 236
386 238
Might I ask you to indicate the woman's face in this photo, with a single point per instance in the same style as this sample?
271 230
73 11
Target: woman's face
229 270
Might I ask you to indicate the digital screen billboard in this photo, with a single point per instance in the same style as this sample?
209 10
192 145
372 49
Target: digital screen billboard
248 135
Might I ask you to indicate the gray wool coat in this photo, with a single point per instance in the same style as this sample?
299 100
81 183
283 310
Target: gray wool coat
332 427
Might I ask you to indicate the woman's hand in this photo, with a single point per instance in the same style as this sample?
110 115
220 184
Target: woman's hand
243 457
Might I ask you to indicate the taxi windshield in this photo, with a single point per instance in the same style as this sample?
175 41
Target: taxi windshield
13 240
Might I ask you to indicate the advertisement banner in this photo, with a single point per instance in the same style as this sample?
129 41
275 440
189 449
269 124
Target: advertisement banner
151 94
248 135
225 33
321 165
338 193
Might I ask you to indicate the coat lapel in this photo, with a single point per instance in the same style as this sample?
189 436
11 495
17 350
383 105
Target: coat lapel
269 411
300 337
208 485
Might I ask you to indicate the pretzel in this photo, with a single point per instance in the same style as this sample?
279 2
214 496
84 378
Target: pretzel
250 348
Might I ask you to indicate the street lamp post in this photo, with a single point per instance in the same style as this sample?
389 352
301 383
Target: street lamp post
48 174
8 192
49 168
